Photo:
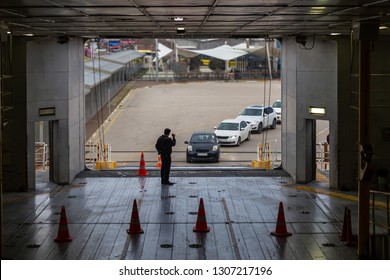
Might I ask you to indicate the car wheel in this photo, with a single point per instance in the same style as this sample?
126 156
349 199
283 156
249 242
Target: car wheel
238 142
273 126
188 159
217 159
260 128
249 136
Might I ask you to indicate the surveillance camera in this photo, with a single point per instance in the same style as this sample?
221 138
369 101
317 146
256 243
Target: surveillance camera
62 39
301 39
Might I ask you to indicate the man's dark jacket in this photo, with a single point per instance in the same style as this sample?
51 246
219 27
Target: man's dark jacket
164 145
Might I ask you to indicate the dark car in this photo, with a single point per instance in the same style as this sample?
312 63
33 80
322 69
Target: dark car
203 146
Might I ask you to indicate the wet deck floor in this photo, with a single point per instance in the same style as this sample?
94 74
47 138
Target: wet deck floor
241 210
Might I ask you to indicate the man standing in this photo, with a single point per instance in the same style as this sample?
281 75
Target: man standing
164 148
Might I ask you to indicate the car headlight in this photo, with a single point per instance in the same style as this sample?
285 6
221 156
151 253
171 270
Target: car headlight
215 148
233 137
255 122
189 148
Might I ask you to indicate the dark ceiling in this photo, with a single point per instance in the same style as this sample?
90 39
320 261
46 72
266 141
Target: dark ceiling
201 18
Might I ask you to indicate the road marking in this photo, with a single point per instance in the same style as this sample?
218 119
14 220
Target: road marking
336 194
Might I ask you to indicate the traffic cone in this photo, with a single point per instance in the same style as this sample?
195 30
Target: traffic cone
343 236
135 227
63 232
281 229
159 163
201 223
142 169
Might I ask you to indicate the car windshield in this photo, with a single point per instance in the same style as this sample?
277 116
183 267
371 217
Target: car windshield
252 112
202 138
277 104
228 126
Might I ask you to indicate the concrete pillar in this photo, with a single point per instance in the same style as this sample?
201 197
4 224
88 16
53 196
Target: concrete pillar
347 125
14 152
309 78
55 80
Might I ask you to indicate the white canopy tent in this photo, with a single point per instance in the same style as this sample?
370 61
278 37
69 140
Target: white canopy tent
224 52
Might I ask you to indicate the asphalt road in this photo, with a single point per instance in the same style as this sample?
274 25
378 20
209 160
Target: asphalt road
140 119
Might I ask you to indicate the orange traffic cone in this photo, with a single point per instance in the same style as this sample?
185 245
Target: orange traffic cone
159 163
135 227
201 223
281 229
343 236
142 169
63 232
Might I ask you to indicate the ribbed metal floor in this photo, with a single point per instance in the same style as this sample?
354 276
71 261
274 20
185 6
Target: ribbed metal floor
241 210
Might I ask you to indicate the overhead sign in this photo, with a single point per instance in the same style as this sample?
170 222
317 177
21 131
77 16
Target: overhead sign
318 111
48 111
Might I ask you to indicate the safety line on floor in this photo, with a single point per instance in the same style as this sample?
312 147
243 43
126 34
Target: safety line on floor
337 194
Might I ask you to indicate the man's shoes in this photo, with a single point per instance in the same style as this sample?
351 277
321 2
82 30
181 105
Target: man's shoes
169 183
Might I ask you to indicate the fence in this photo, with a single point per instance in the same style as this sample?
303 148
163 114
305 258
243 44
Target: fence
95 152
267 156
41 155
322 156
131 158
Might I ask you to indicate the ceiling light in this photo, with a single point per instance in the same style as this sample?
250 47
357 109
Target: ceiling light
177 18
317 10
383 27
335 34
28 34
180 30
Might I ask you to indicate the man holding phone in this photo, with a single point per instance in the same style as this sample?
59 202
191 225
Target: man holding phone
164 146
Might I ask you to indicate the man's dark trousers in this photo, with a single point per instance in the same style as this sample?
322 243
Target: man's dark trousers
165 168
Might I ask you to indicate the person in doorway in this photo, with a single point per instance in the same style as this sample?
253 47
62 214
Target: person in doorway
164 146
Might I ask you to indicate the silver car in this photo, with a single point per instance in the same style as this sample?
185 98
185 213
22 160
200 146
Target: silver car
259 117
278 109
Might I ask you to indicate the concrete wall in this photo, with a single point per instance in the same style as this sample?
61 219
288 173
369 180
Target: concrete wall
348 101
380 105
309 78
55 78
14 149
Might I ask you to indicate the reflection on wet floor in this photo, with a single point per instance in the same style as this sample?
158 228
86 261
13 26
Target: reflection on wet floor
241 211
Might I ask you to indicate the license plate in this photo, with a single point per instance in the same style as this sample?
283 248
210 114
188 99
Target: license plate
202 154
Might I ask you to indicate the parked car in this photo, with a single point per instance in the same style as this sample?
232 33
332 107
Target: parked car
278 109
258 117
203 146
232 132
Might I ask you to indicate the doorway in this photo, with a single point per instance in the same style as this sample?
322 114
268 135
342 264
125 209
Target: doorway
42 154
322 151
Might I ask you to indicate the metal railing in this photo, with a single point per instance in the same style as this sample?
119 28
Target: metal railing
322 156
95 152
131 158
380 203
41 155
380 238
